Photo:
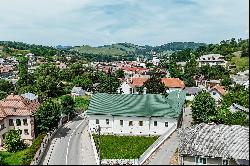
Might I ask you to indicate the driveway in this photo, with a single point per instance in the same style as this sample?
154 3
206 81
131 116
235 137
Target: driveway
163 155
71 145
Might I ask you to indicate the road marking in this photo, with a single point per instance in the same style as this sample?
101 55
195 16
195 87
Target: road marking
69 142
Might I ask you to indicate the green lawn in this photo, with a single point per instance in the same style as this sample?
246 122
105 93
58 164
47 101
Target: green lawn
23 157
82 102
124 147
242 63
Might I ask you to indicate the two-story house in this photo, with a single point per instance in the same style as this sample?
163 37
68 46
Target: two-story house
16 112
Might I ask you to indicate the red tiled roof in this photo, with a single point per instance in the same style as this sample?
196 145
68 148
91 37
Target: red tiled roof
134 69
173 82
15 105
137 82
220 89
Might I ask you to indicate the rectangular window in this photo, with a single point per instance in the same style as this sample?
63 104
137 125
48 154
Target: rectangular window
2 126
225 162
26 131
166 124
25 122
130 90
18 122
11 122
200 160
107 121
140 123
155 123
97 121
130 123
20 131
121 122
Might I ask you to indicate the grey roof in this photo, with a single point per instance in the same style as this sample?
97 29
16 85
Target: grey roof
215 141
76 89
30 96
236 107
192 90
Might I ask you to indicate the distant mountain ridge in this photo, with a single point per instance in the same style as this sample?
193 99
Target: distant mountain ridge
129 48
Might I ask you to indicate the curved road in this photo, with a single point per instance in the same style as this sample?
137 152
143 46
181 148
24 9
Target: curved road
71 145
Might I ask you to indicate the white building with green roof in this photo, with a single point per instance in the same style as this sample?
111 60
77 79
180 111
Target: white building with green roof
133 114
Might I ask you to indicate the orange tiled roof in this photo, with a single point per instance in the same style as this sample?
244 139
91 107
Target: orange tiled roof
173 82
137 82
15 105
220 89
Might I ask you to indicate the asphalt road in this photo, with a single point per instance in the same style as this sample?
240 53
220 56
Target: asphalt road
162 156
71 145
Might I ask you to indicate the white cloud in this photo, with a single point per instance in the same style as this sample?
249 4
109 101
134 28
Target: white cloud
97 22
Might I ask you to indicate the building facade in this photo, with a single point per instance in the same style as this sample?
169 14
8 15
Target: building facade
16 112
128 114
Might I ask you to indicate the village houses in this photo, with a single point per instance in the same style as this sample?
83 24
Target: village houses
134 85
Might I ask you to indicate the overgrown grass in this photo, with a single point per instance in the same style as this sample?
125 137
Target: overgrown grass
25 156
124 147
82 103
241 63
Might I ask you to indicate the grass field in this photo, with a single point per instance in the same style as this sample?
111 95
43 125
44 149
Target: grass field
242 63
124 147
82 102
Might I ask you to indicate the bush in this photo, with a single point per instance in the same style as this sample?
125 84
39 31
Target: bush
13 142
25 156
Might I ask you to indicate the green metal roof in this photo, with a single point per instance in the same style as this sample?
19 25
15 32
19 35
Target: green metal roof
146 105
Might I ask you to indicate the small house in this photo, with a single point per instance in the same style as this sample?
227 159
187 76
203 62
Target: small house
77 91
211 144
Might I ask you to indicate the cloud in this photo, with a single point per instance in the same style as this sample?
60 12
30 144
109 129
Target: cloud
98 22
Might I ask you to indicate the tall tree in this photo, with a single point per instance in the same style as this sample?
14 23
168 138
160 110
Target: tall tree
48 115
155 86
47 81
203 106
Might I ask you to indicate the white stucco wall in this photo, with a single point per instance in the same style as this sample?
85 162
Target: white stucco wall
190 98
22 127
115 127
125 87
216 96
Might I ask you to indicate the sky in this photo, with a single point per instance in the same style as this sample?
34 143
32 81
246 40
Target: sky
142 22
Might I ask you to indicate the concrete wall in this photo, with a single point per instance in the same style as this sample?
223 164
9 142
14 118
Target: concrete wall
190 160
115 127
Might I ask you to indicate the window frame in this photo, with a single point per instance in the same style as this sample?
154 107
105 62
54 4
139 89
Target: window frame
11 122
25 124
121 122
107 121
25 132
167 124
140 123
130 123
18 124
225 160
155 123
199 158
